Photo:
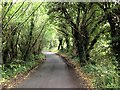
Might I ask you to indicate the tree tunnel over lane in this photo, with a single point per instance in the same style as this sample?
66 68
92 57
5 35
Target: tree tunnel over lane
90 36
54 73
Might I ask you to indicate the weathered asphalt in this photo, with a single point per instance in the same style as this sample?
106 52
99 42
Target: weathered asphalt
53 73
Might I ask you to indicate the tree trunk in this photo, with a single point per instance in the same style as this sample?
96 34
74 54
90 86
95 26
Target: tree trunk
67 42
79 46
60 45
115 34
85 42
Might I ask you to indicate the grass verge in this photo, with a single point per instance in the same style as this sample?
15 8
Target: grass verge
19 72
76 67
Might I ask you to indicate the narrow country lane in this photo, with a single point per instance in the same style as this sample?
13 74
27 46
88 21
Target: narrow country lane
85 32
54 73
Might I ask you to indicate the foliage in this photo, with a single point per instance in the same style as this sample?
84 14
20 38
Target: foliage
87 32
18 67
22 32
93 35
102 76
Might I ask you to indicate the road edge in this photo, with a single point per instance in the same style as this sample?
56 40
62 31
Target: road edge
77 71
21 76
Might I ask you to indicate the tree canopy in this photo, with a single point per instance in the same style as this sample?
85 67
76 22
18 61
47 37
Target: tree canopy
88 31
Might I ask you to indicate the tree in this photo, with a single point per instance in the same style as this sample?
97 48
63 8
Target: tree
113 17
80 17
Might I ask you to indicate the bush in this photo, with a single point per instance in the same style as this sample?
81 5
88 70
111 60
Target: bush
102 65
19 66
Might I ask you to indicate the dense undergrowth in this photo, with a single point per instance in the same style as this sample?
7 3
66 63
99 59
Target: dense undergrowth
102 66
90 30
19 66
103 74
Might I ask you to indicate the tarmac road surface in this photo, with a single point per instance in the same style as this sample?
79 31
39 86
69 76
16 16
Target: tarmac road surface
53 73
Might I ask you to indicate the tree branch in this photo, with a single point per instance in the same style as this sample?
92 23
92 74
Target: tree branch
13 14
27 18
91 16
100 21
22 13
11 4
78 15
93 42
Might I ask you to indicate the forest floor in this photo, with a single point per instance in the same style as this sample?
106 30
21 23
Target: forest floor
53 73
